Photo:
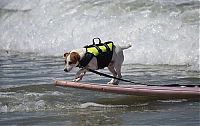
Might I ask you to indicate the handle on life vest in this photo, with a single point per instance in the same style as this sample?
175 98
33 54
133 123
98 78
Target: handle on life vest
98 39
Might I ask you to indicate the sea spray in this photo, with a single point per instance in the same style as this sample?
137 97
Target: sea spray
161 32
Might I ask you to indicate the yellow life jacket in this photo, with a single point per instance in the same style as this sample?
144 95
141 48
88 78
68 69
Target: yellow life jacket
102 51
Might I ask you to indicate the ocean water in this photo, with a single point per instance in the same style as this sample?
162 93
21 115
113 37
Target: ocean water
34 34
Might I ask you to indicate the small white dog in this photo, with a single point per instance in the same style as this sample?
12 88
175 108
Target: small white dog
78 56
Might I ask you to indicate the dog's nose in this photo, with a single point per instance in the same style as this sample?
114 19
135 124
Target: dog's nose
65 70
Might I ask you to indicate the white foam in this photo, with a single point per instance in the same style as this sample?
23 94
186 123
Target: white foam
40 105
160 32
89 104
57 93
92 104
24 106
173 101
4 108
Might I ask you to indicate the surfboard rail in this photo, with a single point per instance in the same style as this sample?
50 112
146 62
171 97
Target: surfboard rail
139 90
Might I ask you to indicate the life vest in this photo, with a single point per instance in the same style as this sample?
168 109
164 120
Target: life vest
102 51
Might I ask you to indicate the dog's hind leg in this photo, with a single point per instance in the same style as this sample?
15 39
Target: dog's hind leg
118 70
112 70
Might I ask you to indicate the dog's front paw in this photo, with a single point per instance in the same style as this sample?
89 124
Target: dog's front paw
76 80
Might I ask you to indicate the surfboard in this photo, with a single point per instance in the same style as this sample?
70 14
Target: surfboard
139 90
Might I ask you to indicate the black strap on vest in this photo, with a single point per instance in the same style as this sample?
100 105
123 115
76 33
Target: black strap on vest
103 58
107 48
99 50
85 60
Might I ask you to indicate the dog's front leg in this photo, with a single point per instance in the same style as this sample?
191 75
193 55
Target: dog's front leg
79 75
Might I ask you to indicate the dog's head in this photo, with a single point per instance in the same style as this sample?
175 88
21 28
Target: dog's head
71 60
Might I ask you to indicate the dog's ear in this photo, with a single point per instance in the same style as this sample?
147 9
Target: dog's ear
66 54
74 56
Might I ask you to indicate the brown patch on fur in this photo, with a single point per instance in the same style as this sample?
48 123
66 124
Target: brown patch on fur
66 54
74 57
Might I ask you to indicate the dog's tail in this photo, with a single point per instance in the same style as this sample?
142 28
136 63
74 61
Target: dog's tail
126 46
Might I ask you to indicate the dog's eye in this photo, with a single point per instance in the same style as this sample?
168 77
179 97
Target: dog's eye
65 62
70 62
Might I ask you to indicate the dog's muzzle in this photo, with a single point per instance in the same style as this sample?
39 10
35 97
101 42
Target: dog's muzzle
65 70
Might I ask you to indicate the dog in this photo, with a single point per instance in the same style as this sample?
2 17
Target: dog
76 56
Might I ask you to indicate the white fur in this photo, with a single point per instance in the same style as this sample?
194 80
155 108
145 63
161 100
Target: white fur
114 66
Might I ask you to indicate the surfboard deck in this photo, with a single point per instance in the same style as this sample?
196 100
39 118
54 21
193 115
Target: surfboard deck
139 90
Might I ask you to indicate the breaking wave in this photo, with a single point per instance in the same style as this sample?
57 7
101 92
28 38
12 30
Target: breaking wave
161 32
